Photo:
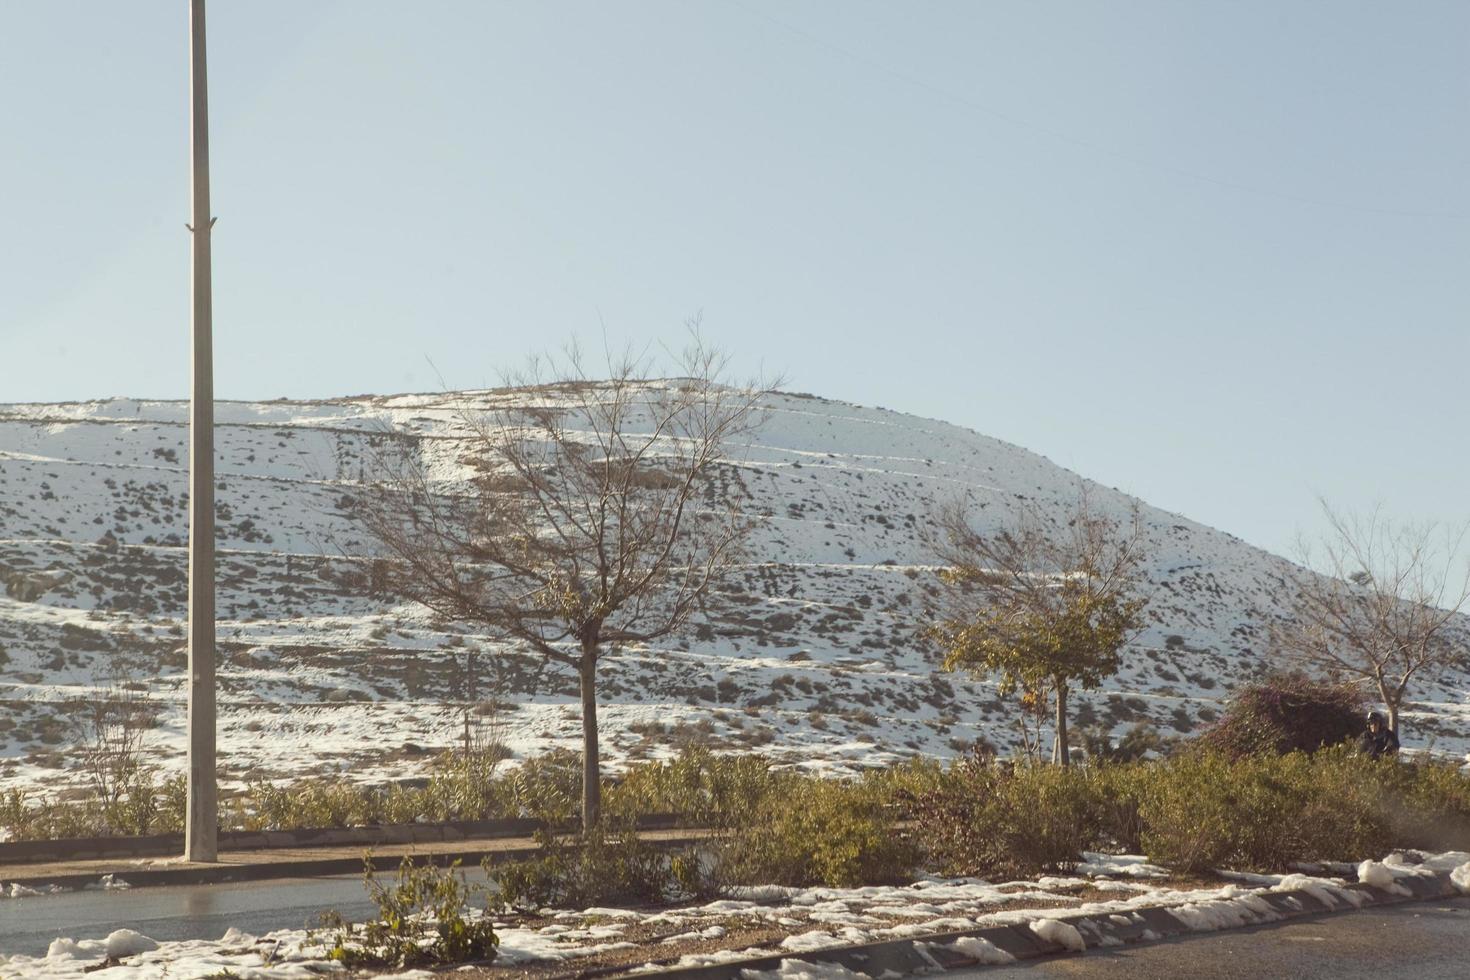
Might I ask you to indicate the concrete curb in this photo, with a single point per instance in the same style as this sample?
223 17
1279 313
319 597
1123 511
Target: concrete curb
205 874
167 845
937 953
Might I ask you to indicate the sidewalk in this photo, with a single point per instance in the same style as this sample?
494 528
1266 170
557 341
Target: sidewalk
255 865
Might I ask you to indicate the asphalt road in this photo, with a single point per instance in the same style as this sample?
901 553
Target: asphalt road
27 925
1419 940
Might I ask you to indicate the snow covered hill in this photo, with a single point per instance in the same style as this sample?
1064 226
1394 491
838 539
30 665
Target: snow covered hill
811 654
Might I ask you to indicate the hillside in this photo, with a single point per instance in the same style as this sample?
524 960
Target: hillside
810 653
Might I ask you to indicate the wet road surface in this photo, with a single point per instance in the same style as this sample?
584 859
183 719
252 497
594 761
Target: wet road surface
1422 940
28 924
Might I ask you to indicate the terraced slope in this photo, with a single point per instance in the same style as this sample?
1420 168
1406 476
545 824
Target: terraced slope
810 652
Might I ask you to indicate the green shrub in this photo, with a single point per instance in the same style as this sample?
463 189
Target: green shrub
421 919
1191 813
1344 805
1431 806
901 786
811 831
1136 743
597 868
771 828
546 787
1197 812
311 803
172 805
699 786
147 808
997 820
28 818
1203 811
1116 791
461 787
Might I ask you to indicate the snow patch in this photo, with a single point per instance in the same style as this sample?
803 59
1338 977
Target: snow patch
126 942
1224 913
1119 865
1379 875
1329 893
17 890
70 949
1064 934
981 950
798 970
1460 877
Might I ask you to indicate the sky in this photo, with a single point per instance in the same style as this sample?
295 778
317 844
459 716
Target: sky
1216 255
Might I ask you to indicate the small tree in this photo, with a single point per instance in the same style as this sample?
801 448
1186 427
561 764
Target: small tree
599 513
1039 606
110 727
1376 601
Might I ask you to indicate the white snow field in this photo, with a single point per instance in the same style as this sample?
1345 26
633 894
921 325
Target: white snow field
810 653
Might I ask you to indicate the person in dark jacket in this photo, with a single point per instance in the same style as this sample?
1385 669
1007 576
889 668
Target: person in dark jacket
1379 740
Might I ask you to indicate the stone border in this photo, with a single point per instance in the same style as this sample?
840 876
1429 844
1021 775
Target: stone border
936 953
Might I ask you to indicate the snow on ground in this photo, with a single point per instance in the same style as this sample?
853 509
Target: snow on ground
804 919
810 652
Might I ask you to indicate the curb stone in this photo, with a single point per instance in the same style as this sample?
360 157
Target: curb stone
18 853
209 874
937 953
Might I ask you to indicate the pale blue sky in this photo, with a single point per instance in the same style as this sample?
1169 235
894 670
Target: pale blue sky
1217 254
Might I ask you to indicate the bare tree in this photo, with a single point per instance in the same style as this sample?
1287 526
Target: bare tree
110 726
1041 605
1375 602
600 512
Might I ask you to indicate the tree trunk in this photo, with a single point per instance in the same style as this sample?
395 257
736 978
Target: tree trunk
1061 749
591 771
1391 701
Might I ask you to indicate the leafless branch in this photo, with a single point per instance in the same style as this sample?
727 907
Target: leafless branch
580 513
1376 601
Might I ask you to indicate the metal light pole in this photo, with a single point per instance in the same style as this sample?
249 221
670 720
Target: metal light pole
201 837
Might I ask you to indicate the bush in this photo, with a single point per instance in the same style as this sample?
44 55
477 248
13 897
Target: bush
1203 811
770 828
147 808
547 787
421 918
900 787
997 820
700 787
458 789
597 868
1136 743
1287 713
811 831
1195 813
310 803
1120 827
1430 806
27 818
461 787
1344 805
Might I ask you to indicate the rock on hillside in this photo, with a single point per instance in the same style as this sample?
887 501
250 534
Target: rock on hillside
810 654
